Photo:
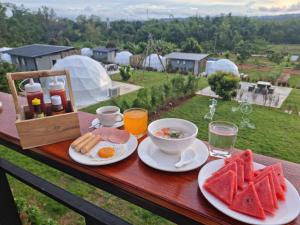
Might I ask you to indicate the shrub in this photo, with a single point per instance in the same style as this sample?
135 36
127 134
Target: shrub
4 69
124 105
125 72
223 84
178 86
143 99
191 85
167 89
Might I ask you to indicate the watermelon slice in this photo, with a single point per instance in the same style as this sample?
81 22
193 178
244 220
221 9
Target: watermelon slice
247 157
279 173
240 171
223 186
278 189
247 202
264 192
231 166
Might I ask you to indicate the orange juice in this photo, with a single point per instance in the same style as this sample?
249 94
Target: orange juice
136 121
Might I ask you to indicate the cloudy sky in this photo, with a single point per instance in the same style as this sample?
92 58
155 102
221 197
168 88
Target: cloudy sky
142 9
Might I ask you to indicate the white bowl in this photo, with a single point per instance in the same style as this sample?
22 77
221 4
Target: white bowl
173 145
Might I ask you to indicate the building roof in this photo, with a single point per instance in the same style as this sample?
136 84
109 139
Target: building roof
37 50
186 56
104 49
294 58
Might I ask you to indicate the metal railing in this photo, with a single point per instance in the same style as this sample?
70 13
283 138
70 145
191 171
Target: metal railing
8 211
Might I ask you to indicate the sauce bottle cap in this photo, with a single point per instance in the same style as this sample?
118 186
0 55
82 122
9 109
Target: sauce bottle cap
36 101
56 85
32 86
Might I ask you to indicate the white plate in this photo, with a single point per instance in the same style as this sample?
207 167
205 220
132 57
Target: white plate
96 124
122 152
288 210
155 158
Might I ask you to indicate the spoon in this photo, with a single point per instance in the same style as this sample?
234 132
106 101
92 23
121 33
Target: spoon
186 157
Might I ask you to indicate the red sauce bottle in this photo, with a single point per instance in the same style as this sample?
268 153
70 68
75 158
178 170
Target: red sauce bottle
34 90
58 88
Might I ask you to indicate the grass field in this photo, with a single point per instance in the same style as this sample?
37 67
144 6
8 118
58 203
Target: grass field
290 48
293 101
294 81
277 135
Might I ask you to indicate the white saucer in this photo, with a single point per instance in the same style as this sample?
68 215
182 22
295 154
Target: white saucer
151 155
122 152
288 210
96 124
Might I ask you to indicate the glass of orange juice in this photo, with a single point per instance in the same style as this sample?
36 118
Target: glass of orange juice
136 121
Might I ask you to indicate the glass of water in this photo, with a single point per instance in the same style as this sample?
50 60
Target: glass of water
222 137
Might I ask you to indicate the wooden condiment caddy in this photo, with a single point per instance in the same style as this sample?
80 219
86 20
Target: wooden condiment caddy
50 129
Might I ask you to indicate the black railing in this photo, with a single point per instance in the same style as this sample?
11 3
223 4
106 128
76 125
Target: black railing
8 211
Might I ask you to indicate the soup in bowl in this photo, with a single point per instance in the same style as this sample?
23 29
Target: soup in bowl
172 135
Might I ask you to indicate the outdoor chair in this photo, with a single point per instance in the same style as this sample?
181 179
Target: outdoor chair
271 90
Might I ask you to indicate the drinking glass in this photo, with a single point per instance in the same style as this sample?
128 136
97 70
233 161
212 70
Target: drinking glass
222 137
136 121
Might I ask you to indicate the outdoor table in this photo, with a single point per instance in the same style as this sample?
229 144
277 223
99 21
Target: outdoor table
175 196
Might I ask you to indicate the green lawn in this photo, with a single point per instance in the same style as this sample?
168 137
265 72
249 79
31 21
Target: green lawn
277 133
294 81
293 101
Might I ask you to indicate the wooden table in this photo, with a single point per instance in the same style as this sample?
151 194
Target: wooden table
173 196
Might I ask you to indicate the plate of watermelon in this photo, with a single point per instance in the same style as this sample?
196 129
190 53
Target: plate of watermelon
248 191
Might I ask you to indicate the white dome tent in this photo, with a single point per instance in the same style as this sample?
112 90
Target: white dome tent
224 65
90 81
209 67
4 57
123 58
86 52
154 62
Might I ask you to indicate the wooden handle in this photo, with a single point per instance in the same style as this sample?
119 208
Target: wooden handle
13 90
37 74
11 77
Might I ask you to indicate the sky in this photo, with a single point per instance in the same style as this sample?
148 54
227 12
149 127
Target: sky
141 9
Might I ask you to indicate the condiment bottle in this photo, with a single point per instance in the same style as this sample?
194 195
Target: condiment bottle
58 88
37 108
34 90
57 107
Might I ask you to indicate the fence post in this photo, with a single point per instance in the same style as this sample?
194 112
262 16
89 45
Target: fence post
8 211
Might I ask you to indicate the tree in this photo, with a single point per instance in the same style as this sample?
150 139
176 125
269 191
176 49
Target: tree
191 45
275 57
4 69
243 50
125 72
223 84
